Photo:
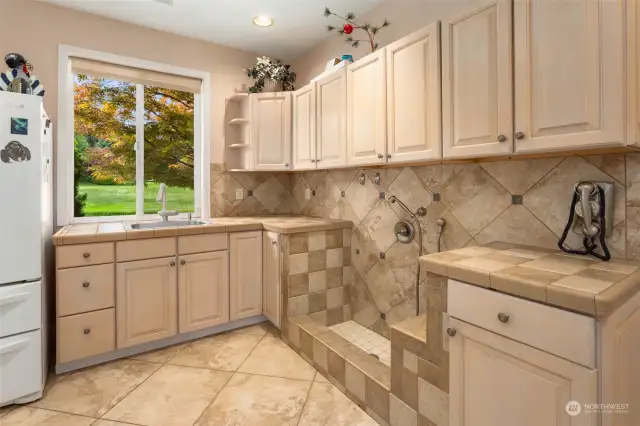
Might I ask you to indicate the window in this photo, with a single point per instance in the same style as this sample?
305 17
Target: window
132 130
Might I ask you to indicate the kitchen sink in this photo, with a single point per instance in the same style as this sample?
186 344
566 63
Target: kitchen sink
169 224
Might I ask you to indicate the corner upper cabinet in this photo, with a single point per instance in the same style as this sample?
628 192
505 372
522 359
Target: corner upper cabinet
203 290
304 127
271 131
271 291
245 274
146 301
569 76
367 110
331 120
413 96
477 72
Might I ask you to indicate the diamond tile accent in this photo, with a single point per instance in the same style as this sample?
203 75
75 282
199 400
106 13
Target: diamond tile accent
271 194
411 191
362 197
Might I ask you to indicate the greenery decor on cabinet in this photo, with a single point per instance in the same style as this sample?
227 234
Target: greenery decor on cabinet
349 25
271 69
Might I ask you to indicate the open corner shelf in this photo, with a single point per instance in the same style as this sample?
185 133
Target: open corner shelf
238 121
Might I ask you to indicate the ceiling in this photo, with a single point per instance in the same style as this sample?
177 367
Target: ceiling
298 24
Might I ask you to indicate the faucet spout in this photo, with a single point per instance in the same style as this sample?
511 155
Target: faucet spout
162 198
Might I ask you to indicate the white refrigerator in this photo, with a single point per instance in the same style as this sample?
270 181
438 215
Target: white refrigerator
26 227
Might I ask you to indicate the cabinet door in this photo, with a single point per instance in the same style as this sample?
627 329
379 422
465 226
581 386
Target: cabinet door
367 110
331 120
528 387
203 291
271 131
413 96
477 95
271 294
304 128
245 274
568 74
146 301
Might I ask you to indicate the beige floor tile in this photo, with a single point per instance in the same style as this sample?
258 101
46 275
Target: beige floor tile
327 406
92 392
173 396
163 355
257 400
223 352
6 410
28 416
256 330
272 357
109 423
320 378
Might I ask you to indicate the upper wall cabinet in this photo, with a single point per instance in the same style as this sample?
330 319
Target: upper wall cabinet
331 120
569 79
413 96
477 70
271 131
367 110
304 127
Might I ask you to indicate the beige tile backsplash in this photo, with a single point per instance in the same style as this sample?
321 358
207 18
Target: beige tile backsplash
475 201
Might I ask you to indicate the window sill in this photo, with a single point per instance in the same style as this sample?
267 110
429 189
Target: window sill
131 218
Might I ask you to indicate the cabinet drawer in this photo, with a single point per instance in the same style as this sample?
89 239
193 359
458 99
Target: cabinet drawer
20 308
202 243
565 334
84 255
145 249
20 365
85 289
84 335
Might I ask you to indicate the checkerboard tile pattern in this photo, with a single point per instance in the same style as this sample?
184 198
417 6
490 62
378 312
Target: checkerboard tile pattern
365 339
317 273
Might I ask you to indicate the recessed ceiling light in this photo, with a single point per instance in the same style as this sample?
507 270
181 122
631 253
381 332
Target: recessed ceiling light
263 21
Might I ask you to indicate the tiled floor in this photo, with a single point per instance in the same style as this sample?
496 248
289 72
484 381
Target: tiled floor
365 339
245 377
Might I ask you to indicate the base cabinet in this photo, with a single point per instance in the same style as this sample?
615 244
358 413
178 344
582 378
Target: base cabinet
245 274
203 291
498 381
271 278
147 303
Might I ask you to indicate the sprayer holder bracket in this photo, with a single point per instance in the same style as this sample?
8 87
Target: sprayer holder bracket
608 214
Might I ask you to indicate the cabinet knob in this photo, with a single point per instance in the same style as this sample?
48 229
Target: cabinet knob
85 284
451 332
380 156
503 318
87 330
502 138
519 135
182 262
286 164
274 242
172 263
86 255
388 155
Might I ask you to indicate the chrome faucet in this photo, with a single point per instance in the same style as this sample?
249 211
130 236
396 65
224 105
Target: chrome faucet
162 198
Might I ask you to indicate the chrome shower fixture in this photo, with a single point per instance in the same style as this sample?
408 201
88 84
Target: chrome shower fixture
420 212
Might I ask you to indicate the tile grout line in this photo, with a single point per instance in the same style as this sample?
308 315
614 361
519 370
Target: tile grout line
306 399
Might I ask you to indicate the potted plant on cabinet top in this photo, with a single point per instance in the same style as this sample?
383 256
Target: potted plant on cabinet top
271 75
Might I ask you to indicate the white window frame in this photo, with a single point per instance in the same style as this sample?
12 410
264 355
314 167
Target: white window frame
65 135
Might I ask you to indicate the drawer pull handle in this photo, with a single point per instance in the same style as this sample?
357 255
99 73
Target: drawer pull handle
85 284
86 255
87 330
13 299
12 347
451 332
182 262
503 318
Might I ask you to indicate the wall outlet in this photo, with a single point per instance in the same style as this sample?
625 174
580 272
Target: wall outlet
239 194
307 194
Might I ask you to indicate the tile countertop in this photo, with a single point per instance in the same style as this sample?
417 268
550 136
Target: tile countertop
578 283
118 231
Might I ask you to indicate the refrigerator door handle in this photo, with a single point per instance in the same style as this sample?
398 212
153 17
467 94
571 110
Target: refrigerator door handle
12 347
15 298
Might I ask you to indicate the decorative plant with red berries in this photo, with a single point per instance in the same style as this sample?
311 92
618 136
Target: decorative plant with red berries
349 25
